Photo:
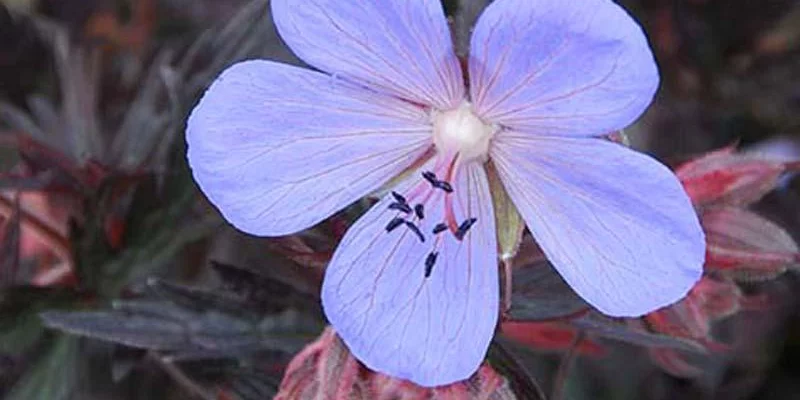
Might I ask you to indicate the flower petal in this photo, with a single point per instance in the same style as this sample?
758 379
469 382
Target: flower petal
432 331
554 67
400 47
615 223
278 148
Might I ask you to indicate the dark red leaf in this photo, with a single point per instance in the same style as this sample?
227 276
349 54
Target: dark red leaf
726 177
744 245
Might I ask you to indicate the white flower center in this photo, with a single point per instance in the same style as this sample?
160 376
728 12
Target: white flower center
460 130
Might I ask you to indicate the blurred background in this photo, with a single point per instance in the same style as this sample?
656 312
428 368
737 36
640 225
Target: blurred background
119 281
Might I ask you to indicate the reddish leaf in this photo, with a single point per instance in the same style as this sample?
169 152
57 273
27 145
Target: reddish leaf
552 336
744 245
41 157
625 331
691 318
42 236
326 370
674 363
311 248
725 177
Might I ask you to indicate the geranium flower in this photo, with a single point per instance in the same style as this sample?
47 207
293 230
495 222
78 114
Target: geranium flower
412 288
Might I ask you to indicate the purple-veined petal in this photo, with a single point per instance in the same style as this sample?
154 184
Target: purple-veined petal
278 148
555 67
616 224
432 331
400 47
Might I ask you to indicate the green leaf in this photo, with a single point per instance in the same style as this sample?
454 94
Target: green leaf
154 241
265 293
19 336
141 329
539 293
53 376
191 323
609 328
252 385
525 386
20 326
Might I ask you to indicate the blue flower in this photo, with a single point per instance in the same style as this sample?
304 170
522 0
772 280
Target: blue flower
412 288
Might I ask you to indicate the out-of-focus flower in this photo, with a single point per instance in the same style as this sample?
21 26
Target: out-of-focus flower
745 245
412 288
325 369
740 243
691 318
725 177
709 301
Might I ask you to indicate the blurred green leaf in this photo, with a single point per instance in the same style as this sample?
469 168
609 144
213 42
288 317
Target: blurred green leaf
54 375
609 328
192 323
162 235
135 330
252 385
158 226
504 362
20 335
202 299
20 326
539 293
265 293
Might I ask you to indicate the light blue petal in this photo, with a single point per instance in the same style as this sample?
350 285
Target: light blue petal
432 331
616 224
399 47
556 67
279 148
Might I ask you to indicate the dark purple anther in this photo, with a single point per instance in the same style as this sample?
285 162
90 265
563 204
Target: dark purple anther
430 177
419 209
444 186
440 227
399 198
429 261
400 207
464 227
435 182
394 223
414 229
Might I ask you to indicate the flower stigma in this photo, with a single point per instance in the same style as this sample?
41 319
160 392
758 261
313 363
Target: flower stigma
460 131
